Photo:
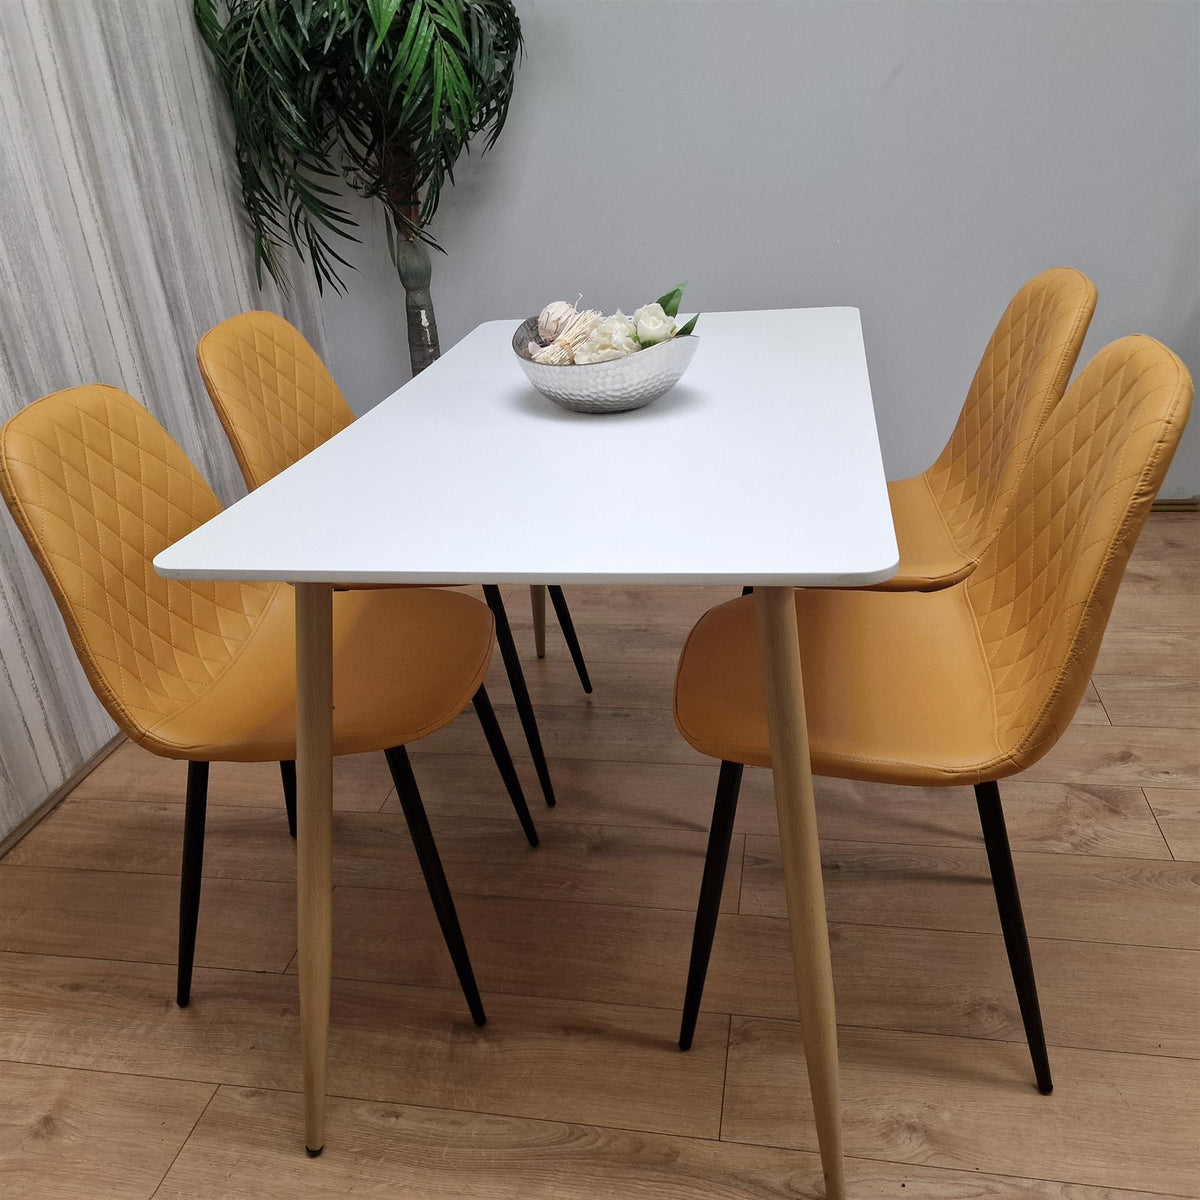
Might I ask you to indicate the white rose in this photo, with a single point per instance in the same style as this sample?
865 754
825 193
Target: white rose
653 325
614 337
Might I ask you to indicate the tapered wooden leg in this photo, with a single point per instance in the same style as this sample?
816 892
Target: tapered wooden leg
314 828
788 730
537 601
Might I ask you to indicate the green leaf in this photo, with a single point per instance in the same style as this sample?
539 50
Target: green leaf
448 19
403 50
670 302
688 327
439 82
383 13
419 58
459 93
383 94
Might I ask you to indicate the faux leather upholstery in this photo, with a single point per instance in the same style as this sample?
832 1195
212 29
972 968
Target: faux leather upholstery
273 394
948 516
206 669
276 399
976 681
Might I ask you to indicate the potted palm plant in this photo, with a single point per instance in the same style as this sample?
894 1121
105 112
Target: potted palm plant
381 95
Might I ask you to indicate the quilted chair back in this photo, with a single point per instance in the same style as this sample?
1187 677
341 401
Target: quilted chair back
1022 375
1044 590
274 395
98 488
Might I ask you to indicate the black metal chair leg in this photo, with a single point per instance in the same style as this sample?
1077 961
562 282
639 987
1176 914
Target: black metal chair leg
189 883
516 681
287 772
563 613
499 748
729 784
1008 901
435 877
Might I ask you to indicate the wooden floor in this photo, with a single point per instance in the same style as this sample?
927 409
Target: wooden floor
575 1090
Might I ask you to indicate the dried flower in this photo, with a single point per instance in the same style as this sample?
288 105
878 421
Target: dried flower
613 337
561 351
554 319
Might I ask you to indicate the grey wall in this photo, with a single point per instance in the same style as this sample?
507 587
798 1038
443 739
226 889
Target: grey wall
120 243
917 158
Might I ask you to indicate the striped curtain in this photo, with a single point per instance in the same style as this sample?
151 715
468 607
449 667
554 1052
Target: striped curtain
121 242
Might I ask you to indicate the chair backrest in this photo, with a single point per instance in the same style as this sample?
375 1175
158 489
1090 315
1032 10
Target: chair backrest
98 488
1022 375
1043 592
274 395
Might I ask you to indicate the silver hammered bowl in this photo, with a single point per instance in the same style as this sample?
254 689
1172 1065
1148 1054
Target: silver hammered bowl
607 387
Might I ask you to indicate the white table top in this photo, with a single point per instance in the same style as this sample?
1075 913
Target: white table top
761 466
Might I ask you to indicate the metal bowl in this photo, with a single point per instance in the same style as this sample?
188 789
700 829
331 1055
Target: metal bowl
607 387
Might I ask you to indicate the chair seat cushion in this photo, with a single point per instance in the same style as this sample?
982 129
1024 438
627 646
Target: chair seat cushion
406 662
896 687
929 557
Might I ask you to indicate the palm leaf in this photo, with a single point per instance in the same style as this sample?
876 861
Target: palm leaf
382 14
383 94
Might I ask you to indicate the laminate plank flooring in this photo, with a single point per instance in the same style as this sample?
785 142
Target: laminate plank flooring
595 1063
1122 755
80 1135
241 1150
1178 815
942 1101
1149 650
1142 610
1126 900
1047 817
249 925
575 1090
1172 702
484 856
360 781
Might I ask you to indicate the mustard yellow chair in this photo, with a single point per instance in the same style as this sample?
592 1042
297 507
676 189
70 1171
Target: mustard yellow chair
947 516
205 671
278 402
969 684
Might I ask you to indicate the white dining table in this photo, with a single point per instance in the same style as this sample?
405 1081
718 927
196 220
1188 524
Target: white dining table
761 467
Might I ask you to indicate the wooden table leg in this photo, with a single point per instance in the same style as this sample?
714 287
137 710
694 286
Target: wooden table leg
314 837
788 729
537 601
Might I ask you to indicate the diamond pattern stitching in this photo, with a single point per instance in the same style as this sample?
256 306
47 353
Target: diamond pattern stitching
274 395
1042 593
99 488
1022 374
